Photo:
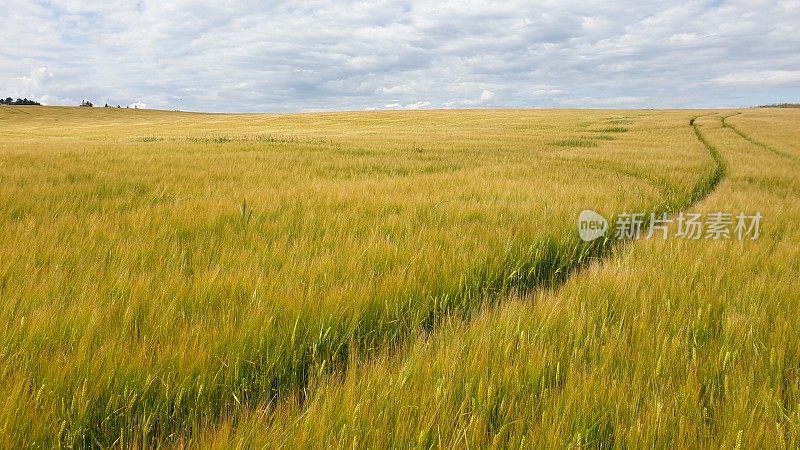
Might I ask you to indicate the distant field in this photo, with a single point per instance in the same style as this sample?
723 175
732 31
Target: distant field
394 279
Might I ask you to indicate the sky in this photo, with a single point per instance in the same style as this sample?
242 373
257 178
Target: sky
320 55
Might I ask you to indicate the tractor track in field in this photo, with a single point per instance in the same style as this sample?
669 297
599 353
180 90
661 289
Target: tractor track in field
790 189
550 274
722 165
594 252
704 187
597 250
753 141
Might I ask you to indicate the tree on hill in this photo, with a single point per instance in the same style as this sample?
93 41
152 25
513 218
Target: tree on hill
19 101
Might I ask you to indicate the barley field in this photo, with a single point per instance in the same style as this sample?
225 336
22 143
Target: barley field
394 280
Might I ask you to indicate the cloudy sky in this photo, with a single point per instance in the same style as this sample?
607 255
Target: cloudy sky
253 55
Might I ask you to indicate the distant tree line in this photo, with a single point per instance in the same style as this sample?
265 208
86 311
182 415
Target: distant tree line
88 104
25 101
19 101
781 105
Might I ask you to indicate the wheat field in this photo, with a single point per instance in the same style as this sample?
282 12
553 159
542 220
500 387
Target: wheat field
394 280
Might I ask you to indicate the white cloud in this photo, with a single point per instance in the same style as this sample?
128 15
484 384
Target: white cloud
52 100
417 105
759 78
394 104
27 86
336 54
612 102
543 91
486 97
